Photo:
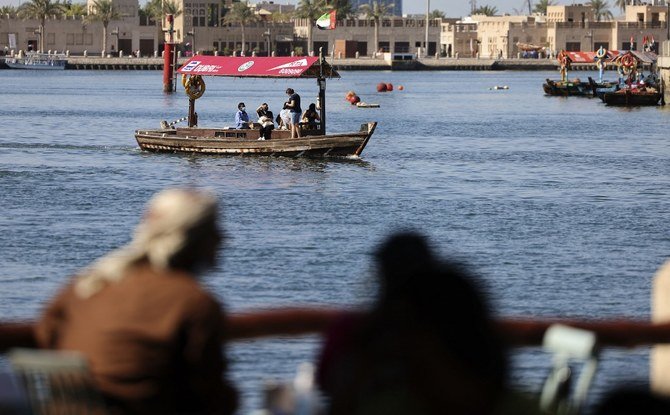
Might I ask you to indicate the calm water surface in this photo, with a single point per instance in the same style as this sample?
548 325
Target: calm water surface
559 204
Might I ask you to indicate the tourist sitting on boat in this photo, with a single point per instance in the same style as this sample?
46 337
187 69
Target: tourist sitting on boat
284 118
293 104
427 345
265 119
310 117
151 333
241 117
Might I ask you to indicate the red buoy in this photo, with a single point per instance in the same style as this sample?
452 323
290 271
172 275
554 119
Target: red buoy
389 87
381 87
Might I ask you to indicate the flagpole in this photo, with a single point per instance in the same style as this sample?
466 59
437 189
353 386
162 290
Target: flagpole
427 22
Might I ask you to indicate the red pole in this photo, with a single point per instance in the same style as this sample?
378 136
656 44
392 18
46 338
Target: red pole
168 70
169 61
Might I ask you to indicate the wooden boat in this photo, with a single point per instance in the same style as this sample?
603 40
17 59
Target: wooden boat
35 60
219 140
633 97
567 88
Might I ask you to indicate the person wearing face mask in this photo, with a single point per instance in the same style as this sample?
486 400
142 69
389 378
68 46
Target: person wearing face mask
241 117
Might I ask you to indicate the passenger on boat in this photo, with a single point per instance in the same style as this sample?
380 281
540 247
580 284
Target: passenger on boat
150 331
284 118
265 119
310 117
428 345
241 117
293 104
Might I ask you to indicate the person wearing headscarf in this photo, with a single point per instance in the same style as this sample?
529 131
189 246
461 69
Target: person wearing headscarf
152 335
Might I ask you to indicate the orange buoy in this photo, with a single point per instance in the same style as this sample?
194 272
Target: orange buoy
349 95
381 87
400 87
389 87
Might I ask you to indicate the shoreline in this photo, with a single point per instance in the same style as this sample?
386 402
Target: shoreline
361 64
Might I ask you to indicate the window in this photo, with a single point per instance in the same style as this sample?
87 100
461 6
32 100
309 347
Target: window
401 47
384 47
573 46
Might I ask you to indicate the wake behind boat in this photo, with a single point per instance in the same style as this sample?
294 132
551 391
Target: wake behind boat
219 140
36 60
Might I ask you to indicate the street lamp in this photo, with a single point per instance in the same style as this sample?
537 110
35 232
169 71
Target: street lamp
268 37
427 23
115 32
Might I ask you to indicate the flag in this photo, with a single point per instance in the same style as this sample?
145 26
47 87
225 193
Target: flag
652 40
632 40
327 21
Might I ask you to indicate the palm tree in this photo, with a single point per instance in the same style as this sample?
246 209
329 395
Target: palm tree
343 7
158 9
621 4
376 11
39 10
75 9
541 6
601 9
486 10
7 10
437 14
310 10
103 11
241 14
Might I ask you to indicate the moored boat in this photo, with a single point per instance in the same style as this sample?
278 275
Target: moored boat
36 60
633 97
314 140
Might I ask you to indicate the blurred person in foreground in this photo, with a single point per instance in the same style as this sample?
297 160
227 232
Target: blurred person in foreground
151 333
427 346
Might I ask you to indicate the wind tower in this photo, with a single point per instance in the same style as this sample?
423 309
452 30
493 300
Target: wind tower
473 6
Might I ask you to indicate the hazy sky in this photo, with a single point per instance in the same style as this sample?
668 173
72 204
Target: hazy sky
453 8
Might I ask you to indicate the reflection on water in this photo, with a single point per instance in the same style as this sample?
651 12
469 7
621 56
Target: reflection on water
557 203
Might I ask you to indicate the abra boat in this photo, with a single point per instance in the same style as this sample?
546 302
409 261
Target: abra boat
36 60
633 97
208 140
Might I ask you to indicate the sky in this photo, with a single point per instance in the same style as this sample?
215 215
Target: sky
452 8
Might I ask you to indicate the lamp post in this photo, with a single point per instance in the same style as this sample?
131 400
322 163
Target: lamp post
427 23
115 33
192 34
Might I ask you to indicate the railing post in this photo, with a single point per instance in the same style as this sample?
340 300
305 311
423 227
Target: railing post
660 312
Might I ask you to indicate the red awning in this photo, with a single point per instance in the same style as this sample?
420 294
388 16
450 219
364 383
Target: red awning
255 67
582 57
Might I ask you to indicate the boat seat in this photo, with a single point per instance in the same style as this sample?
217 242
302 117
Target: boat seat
56 382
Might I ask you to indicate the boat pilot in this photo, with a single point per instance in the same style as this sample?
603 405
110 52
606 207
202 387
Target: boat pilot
241 117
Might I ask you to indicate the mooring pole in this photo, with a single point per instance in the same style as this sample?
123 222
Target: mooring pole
322 92
169 57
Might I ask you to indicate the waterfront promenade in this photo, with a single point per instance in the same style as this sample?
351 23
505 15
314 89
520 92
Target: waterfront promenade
465 64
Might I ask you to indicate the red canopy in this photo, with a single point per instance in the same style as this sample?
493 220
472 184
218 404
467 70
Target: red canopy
280 67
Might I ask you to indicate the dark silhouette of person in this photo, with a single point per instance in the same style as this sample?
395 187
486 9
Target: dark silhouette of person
631 401
427 345
151 333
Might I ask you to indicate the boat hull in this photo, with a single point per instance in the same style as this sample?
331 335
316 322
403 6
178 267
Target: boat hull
245 142
565 89
628 98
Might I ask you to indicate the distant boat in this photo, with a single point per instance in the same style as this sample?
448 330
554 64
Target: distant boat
633 97
35 60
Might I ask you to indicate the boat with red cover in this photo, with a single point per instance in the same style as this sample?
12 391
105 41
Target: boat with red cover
219 140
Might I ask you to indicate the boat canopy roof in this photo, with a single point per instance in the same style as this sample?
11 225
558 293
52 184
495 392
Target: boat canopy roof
258 67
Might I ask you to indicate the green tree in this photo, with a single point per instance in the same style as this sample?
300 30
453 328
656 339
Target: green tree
621 4
158 9
103 11
437 14
310 10
75 9
39 10
601 10
240 14
486 10
541 6
343 7
376 11
11 10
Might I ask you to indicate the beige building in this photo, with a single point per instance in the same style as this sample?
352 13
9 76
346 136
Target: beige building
396 35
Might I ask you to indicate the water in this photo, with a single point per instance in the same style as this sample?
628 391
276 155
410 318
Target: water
558 203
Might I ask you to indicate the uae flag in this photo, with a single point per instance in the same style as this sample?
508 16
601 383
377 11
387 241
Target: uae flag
327 21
